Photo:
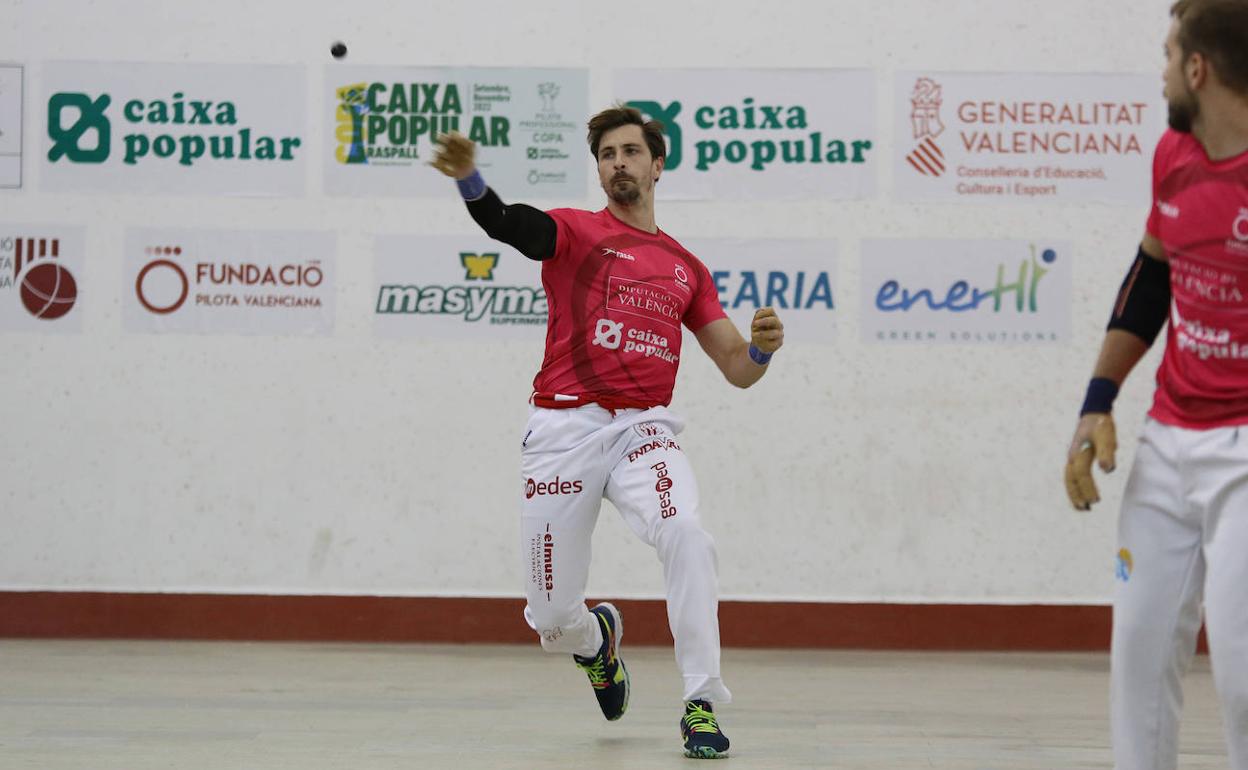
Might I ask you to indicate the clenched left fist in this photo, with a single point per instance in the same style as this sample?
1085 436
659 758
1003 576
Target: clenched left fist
766 331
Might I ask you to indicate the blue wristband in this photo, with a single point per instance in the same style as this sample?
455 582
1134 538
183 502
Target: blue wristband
1100 398
758 356
472 186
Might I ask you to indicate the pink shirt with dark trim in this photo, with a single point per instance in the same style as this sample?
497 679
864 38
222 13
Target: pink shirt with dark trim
618 297
1200 215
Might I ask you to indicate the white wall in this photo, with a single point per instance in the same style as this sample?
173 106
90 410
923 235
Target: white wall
352 465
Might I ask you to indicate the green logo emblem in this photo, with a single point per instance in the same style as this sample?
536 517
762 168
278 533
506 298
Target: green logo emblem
666 116
66 142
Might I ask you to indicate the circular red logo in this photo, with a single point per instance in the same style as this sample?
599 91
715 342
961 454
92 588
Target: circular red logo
48 290
663 484
148 268
1240 226
530 488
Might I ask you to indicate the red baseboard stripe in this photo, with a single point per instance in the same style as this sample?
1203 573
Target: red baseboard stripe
54 614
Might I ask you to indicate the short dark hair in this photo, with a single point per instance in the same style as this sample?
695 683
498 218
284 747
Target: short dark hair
1217 30
621 114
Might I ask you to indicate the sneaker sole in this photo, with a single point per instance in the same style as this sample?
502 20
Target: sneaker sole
705 752
619 640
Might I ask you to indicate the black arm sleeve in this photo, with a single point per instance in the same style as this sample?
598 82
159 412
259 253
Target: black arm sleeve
531 231
1144 300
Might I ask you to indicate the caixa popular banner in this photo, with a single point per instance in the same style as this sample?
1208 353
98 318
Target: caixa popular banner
760 134
225 129
528 125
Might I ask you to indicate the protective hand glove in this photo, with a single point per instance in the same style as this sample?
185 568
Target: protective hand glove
1095 438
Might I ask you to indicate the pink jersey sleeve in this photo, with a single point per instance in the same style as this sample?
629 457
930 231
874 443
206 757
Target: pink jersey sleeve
1161 157
566 233
704 307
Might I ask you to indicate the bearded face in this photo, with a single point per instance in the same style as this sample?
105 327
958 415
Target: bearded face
624 190
1182 107
1182 110
626 168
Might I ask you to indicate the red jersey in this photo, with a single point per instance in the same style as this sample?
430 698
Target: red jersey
617 298
1200 215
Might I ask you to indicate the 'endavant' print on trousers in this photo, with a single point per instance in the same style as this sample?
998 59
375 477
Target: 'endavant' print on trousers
1183 540
571 459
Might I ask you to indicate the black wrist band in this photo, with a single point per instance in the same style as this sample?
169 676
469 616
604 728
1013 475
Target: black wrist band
1100 398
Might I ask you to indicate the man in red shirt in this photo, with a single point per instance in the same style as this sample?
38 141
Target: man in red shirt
1183 530
619 290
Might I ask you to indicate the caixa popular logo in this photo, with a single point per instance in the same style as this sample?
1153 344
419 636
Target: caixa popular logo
534 488
182 129
756 134
33 267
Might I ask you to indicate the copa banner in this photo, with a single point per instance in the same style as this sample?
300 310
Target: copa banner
991 138
454 287
184 281
760 134
11 96
528 125
41 277
796 277
219 129
979 292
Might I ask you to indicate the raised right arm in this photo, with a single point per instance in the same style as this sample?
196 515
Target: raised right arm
530 231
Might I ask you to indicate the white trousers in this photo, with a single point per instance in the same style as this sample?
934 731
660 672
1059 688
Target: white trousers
1183 536
571 459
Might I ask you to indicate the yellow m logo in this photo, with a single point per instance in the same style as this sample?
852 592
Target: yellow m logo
479 267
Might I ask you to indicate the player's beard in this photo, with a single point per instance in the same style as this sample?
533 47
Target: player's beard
1182 112
624 190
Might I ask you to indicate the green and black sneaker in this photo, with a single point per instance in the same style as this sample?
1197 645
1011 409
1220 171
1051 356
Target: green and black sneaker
606 670
703 738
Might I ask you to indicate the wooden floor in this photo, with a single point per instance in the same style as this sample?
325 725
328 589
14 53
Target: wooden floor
113 705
